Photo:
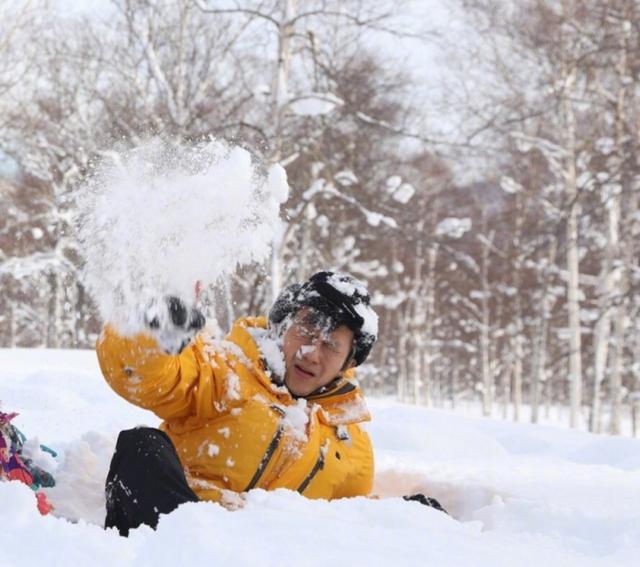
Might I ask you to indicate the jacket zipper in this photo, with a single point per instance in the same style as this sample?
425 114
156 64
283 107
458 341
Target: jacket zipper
266 458
319 465
271 449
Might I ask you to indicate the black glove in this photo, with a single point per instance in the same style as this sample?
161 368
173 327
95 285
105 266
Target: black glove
173 323
425 501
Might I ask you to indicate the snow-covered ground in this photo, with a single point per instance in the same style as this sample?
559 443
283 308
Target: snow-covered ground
519 494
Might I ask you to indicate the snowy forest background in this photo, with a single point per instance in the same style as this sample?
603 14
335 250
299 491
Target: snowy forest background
474 161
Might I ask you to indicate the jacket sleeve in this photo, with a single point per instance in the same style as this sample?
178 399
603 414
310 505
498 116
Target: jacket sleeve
170 386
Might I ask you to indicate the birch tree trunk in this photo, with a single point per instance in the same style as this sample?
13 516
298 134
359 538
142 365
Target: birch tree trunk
635 401
485 343
417 313
573 288
228 302
538 375
603 326
615 426
12 326
430 305
453 386
402 357
633 234
601 343
280 88
623 264
507 379
53 310
519 338
416 368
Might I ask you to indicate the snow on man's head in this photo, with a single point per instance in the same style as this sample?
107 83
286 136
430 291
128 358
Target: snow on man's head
337 299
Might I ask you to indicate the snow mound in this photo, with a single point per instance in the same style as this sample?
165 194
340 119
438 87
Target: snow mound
156 219
518 494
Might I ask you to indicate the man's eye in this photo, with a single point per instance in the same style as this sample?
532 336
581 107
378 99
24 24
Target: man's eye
332 346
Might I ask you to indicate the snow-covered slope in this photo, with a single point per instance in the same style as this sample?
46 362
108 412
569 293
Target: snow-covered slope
519 494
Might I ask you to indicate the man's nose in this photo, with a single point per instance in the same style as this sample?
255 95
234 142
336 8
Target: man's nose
312 351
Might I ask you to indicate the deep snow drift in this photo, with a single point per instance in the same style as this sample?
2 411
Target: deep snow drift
521 494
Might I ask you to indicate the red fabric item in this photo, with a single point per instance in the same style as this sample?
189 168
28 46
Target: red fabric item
44 506
21 474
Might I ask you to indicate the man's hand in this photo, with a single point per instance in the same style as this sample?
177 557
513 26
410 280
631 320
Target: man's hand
172 323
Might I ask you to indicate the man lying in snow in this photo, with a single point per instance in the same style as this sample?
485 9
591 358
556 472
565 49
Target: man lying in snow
272 406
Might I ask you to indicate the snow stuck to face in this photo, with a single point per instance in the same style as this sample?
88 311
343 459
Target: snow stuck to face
518 494
157 219
305 350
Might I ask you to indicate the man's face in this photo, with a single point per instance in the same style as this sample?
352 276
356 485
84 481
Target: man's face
313 357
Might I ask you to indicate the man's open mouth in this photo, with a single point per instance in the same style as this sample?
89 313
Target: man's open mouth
304 372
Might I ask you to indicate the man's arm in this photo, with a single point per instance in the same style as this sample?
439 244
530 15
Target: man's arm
169 385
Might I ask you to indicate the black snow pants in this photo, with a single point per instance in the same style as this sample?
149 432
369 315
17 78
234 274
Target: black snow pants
145 480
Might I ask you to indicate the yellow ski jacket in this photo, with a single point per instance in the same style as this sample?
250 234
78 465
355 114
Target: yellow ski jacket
234 429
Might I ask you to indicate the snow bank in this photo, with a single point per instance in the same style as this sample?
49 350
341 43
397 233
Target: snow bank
157 219
519 494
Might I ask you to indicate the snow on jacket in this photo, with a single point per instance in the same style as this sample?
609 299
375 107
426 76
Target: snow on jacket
233 427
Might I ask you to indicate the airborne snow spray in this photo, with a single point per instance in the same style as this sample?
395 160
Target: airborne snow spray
157 218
